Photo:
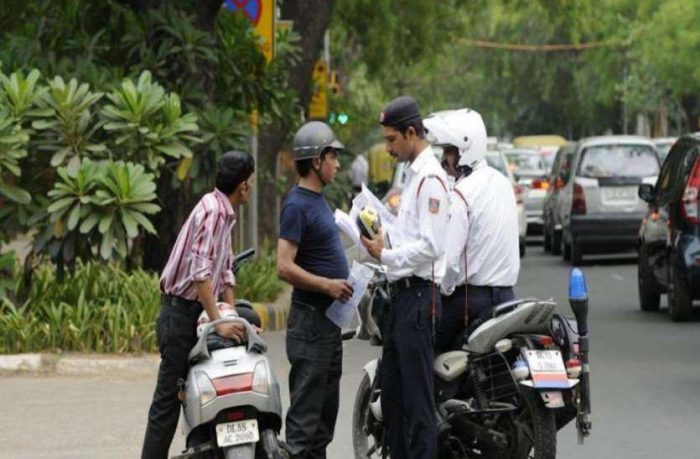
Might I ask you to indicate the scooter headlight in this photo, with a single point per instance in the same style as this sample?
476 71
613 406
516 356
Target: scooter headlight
260 381
207 392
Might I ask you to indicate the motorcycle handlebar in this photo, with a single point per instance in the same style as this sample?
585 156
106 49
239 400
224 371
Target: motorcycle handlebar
242 257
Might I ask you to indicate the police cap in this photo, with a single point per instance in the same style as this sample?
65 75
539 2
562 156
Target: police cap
399 111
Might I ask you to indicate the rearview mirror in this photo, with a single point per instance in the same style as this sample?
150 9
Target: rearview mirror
646 192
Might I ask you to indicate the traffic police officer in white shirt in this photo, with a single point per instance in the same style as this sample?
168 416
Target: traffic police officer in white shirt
483 261
415 267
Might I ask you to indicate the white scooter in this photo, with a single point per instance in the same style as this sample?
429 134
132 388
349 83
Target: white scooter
231 399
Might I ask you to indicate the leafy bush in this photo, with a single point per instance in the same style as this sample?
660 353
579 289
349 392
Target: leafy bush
102 308
258 281
99 308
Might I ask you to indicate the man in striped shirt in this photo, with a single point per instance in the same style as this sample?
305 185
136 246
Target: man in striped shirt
198 271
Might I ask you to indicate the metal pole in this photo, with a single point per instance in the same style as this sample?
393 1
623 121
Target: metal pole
252 211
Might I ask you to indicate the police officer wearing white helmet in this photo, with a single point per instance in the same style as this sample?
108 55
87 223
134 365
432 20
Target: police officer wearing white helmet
483 260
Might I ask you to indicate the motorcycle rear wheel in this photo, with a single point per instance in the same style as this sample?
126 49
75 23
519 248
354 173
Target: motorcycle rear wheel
534 433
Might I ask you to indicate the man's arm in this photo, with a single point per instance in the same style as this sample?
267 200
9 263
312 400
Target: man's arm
298 277
205 293
229 296
457 234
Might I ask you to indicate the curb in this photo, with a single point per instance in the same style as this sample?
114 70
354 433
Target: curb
272 316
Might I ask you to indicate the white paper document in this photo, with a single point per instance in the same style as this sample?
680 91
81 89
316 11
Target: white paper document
341 312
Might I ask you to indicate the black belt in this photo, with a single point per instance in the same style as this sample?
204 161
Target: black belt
485 288
181 303
406 283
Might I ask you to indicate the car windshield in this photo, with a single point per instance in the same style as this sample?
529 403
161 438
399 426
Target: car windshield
619 161
524 161
495 160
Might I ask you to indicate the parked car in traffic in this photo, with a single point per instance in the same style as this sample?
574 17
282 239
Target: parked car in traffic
558 178
530 172
598 207
495 159
547 145
669 237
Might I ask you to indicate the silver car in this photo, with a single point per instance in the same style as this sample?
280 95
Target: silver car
558 178
598 206
530 171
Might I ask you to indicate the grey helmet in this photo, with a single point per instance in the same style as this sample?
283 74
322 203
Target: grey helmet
312 138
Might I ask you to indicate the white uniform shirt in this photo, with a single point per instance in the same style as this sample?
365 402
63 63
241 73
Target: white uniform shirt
421 221
488 228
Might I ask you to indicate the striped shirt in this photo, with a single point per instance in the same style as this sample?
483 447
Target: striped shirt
202 250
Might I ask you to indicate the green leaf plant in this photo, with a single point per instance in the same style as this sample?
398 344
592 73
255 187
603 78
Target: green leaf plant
148 124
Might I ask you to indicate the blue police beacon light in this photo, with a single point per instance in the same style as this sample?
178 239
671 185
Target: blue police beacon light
577 285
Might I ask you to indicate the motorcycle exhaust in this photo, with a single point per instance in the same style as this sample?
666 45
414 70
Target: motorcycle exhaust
578 300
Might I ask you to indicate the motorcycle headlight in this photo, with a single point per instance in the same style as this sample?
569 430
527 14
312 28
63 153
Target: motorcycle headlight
207 392
260 380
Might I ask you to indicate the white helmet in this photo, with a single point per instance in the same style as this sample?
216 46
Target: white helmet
225 311
463 129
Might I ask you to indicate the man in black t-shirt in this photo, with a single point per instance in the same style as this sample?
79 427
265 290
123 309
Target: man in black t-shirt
311 258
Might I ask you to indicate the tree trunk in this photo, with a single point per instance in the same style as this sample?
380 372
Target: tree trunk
311 19
692 111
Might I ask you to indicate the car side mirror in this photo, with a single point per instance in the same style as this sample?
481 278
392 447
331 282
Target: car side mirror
646 192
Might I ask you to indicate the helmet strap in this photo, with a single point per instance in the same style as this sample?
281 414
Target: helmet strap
464 171
318 174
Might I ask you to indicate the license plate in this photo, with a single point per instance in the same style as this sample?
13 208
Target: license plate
237 433
547 369
618 195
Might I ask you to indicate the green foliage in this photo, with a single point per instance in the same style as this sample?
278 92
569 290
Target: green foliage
17 97
100 205
101 307
69 126
7 267
148 123
257 280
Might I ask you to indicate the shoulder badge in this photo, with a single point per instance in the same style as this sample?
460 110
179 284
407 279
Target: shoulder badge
433 205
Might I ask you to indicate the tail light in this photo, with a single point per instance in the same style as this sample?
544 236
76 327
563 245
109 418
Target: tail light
540 184
518 190
689 209
573 368
546 340
578 205
653 214
231 384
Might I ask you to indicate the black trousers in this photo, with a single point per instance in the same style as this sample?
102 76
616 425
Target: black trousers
481 300
315 352
176 334
408 393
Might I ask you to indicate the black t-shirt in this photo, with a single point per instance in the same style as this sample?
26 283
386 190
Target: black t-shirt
307 220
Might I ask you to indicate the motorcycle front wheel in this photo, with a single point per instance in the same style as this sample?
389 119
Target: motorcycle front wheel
364 443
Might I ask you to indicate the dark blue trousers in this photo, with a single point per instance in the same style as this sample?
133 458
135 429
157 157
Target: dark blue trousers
315 352
408 394
481 300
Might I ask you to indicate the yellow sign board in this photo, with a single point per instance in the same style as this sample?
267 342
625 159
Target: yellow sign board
261 13
318 107
265 27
